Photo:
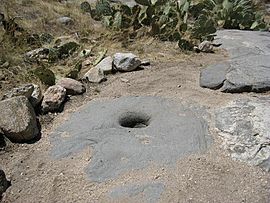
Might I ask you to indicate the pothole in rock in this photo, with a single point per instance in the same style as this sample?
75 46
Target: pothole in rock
129 133
134 120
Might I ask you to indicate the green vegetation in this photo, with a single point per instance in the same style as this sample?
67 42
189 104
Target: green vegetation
187 21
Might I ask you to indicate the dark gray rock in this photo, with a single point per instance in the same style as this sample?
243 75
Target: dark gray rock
65 20
146 192
18 119
213 76
244 127
73 87
130 133
53 99
249 63
4 184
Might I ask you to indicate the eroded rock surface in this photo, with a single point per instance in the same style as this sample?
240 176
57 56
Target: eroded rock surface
131 133
247 70
244 126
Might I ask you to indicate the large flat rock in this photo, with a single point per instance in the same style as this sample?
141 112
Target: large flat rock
244 126
130 133
248 67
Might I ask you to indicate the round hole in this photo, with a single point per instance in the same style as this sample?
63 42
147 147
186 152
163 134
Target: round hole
134 120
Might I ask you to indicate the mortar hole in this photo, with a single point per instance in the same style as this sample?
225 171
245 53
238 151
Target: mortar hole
134 120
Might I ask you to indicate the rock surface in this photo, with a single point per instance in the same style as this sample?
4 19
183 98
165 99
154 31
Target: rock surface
94 75
36 96
106 65
247 70
130 133
18 119
53 99
37 54
126 62
65 20
23 90
73 87
244 126
3 182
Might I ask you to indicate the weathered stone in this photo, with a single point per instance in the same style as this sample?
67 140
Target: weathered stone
249 65
36 96
18 119
37 54
23 90
244 127
4 184
53 98
72 86
65 20
126 62
94 75
66 48
213 76
106 65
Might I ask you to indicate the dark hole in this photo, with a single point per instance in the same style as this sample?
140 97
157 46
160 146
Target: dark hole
134 120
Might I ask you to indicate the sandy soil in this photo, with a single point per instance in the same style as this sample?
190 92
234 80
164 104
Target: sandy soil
211 177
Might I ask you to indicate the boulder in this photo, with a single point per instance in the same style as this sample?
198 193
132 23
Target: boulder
65 47
94 75
18 119
53 99
4 184
72 86
126 62
23 90
106 65
244 127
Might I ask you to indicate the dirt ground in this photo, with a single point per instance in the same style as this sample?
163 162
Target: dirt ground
212 177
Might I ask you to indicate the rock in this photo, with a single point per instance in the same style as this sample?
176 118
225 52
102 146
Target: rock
213 76
5 65
18 119
126 62
244 127
106 65
247 70
72 86
53 98
37 54
86 7
94 75
65 20
36 96
4 184
23 90
206 46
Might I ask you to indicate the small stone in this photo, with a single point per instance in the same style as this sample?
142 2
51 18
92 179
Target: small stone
23 90
36 96
73 87
53 98
106 65
124 80
94 75
18 119
65 20
145 63
85 53
87 62
4 184
126 62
